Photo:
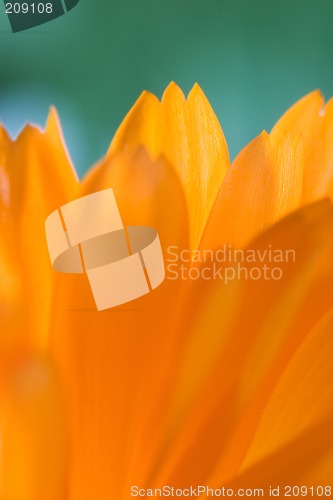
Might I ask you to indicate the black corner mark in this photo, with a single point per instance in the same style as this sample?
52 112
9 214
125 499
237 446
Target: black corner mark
24 15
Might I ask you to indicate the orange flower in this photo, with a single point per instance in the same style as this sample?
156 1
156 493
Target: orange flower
200 382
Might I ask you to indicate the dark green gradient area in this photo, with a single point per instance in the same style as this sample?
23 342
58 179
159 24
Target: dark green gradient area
253 59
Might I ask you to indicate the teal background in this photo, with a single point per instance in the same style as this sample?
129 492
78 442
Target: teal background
253 59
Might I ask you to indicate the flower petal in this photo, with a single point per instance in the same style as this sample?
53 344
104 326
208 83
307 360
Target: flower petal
11 283
37 177
111 361
277 329
263 185
295 432
216 428
312 120
188 135
148 193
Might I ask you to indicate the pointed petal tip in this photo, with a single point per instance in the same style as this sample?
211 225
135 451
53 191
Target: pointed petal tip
4 135
28 130
314 97
53 120
317 93
196 86
146 96
196 90
142 112
52 125
261 139
173 91
264 134
172 85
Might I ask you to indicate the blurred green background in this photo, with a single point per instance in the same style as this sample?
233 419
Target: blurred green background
253 59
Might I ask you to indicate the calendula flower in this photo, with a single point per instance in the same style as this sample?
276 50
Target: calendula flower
205 382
